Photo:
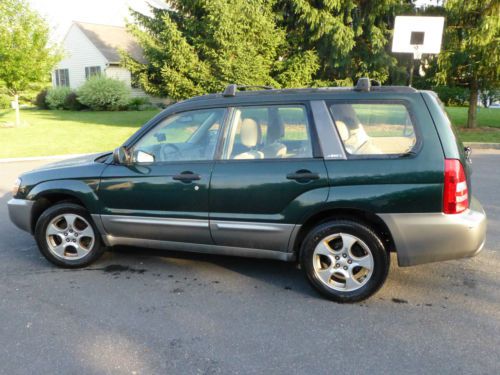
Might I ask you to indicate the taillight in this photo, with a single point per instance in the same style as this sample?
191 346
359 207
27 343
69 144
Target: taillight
455 193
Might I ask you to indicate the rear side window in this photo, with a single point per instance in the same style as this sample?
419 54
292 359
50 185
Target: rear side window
268 132
374 128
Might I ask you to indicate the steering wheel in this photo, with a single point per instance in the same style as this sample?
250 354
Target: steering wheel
166 155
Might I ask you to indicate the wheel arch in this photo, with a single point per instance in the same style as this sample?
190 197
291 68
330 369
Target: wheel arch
47 194
368 218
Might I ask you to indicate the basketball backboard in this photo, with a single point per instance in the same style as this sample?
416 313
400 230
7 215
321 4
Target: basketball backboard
417 35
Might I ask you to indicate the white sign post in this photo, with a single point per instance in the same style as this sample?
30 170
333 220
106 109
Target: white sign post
417 35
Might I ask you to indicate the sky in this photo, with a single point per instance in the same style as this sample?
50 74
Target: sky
60 13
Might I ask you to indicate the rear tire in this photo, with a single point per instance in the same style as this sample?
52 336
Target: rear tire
344 260
67 237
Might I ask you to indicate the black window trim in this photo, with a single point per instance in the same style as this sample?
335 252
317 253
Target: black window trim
89 74
417 147
65 73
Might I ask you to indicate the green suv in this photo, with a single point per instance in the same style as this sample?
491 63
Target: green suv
334 178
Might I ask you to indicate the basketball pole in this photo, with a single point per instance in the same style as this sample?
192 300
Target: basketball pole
412 69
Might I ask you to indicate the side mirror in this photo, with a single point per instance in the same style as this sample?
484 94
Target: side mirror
120 155
144 158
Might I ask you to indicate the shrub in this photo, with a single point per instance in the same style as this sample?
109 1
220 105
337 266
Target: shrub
72 103
102 93
452 96
41 99
136 104
56 96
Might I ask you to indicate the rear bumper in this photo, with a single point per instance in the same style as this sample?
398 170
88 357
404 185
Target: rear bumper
20 213
432 237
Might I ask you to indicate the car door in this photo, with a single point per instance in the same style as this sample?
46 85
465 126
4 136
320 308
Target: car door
162 194
266 176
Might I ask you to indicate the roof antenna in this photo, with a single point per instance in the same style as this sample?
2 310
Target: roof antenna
363 84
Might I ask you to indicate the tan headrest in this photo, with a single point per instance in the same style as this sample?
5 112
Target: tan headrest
249 133
342 129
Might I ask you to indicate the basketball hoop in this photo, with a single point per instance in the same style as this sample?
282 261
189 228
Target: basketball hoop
417 35
417 52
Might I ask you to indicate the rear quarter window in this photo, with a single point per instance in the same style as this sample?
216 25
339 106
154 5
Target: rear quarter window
374 128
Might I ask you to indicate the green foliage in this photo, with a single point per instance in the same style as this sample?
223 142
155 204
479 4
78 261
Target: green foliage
471 53
101 93
56 96
297 70
25 54
452 96
471 47
139 104
5 101
71 102
5 98
41 99
200 46
350 37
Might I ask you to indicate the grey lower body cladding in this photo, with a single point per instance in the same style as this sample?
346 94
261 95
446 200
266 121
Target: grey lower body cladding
431 237
251 239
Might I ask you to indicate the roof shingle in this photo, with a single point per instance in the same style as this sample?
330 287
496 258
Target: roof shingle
110 39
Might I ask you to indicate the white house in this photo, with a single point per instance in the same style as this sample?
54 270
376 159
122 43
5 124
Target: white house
94 49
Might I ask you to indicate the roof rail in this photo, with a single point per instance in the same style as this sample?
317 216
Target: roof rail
231 89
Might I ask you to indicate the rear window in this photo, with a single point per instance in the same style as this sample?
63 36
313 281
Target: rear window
374 128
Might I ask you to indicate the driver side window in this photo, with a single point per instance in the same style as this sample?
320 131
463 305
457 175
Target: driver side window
186 136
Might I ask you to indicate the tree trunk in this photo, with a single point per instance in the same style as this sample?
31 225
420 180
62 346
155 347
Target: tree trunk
18 115
472 114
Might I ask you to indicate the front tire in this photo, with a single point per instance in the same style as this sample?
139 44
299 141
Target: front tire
344 260
67 236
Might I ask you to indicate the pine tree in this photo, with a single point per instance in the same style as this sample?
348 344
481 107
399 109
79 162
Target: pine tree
200 46
351 38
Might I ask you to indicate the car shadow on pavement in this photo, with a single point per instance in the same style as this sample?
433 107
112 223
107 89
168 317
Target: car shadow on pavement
285 275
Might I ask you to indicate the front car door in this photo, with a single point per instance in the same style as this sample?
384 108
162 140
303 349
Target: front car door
266 177
162 194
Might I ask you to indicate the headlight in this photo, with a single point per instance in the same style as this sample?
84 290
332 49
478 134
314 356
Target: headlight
16 186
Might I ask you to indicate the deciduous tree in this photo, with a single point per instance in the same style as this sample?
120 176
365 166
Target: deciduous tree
471 54
26 55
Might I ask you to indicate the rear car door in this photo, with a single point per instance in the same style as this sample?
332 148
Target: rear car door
162 194
266 175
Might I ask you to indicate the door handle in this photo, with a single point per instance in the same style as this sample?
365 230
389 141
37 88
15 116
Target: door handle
302 176
186 177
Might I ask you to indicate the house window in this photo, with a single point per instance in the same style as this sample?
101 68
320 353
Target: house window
91 71
62 77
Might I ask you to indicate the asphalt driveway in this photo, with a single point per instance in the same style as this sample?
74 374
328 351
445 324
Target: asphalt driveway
139 311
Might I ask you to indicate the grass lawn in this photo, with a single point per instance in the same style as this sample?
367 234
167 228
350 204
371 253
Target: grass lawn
488 121
64 132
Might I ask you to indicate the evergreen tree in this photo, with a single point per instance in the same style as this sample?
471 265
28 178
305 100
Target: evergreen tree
200 46
351 37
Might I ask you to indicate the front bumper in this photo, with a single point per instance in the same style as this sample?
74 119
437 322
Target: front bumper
20 212
432 237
